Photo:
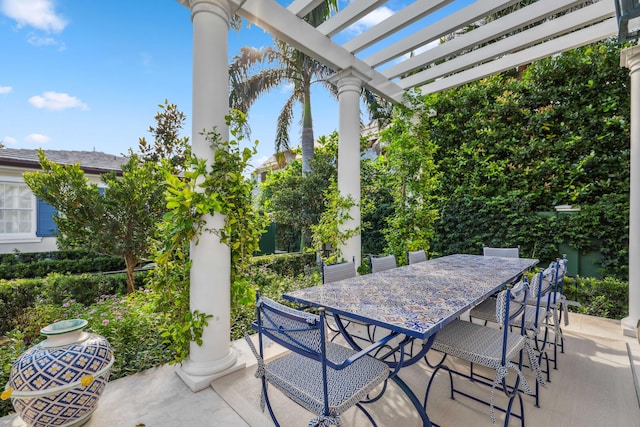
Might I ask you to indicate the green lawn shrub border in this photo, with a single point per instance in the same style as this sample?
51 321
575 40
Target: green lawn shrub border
291 264
22 265
607 297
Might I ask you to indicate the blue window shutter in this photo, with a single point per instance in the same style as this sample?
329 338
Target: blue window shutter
101 190
46 226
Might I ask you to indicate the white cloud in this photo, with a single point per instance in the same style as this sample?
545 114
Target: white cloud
7 140
5 89
39 14
373 18
57 101
37 138
37 40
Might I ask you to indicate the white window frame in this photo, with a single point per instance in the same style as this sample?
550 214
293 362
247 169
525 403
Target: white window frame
22 237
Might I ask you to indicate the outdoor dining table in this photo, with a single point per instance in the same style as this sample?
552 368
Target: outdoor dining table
412 302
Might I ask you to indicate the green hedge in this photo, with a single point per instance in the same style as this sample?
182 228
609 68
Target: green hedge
18 294
511 146
290 265
607 297
20 265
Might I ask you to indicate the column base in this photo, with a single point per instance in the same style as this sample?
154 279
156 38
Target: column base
198 376
630 327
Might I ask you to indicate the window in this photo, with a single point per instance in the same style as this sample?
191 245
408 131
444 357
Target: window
17 211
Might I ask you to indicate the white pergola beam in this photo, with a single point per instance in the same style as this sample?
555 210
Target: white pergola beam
347 16
394 23
564 24
570 41
518 19
448 25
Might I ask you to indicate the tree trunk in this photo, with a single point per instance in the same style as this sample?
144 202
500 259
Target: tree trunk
307 133
130 262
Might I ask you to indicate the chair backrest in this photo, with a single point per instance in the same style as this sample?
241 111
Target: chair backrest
506 314
382 263
416 256
295 330
541 284
334 272
298 331
561 272
557 269
502 252
547 279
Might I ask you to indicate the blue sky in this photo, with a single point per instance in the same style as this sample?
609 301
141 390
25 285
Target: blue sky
89 74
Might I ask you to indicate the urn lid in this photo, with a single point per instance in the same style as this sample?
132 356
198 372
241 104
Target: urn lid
63 326
64 332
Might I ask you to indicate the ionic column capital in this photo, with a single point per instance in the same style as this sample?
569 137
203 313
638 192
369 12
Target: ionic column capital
349 80
222 8
630 58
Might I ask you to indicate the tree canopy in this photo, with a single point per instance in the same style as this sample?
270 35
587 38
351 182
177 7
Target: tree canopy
116 219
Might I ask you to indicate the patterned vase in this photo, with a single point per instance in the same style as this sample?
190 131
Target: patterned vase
59 381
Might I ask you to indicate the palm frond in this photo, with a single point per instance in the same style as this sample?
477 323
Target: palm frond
284 124
243 93
380 109
322 12
330 87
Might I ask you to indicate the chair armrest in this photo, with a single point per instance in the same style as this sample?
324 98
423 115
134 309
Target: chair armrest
362 353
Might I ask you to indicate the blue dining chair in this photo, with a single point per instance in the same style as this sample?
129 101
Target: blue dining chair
494 349
537 320
323 377
556 303
334 272
382 263
416 256
501 252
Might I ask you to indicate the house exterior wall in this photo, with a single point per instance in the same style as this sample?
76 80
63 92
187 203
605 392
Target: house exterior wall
40 234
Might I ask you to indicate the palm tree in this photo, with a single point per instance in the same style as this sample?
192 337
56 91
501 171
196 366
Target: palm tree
288 66
291 66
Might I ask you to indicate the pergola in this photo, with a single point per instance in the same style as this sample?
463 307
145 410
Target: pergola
400 53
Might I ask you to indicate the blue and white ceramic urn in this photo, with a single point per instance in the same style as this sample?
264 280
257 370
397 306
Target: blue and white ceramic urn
59 381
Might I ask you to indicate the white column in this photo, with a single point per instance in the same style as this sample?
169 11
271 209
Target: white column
630 58
211 260
349 88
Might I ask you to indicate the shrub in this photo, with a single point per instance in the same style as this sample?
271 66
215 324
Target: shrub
9 352
19 265
20 294
272 285
15 297
286 264
608 297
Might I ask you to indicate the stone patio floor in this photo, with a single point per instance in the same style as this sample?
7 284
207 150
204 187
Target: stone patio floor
593 386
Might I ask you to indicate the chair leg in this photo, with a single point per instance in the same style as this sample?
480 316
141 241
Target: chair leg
367 414
434 366
510 408
433 376
268 403
540 347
